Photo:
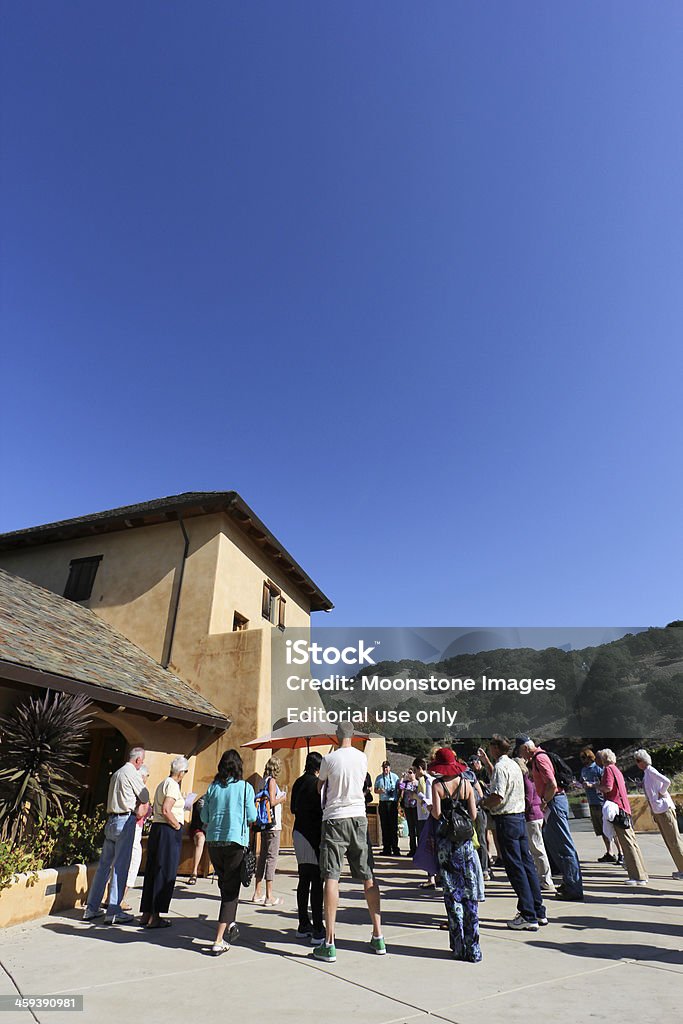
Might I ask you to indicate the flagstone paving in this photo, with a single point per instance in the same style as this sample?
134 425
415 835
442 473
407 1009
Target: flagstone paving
618 955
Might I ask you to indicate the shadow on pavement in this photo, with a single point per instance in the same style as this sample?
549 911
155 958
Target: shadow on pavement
615 951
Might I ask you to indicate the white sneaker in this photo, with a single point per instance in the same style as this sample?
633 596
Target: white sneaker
90 915
643 883
121 918
220 947
520 924
632 882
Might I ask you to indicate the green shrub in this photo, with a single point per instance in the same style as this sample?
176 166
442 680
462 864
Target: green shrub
42 741
668 760
70 838
61 840
17 862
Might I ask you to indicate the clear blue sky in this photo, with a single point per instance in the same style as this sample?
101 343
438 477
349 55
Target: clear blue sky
406 276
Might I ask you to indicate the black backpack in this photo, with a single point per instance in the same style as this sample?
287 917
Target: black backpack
564 776
456 823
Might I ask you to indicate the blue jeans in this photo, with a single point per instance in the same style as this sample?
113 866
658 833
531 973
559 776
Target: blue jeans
119 833
519 864
560 847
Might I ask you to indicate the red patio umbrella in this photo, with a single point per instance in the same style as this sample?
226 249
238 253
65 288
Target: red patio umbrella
299 735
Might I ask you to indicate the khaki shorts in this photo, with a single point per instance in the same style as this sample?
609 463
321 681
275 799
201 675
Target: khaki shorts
596 818
346 836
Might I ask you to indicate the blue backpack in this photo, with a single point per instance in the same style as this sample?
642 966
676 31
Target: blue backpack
265 813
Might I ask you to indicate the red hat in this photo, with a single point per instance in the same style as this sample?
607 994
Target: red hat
446 763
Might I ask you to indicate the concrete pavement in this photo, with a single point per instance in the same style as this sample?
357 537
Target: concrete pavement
617 956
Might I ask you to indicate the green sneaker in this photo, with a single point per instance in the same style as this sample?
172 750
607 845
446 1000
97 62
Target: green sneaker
378 945
326 953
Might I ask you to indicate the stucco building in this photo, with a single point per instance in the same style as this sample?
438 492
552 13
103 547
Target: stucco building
197 583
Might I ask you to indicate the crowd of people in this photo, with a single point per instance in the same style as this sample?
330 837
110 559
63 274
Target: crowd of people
505 807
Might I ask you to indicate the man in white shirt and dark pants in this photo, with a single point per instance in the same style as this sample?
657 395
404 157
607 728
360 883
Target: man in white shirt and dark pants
345 832
506 803
126 793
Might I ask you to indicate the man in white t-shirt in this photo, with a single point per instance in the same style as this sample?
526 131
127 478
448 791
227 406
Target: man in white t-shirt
345 832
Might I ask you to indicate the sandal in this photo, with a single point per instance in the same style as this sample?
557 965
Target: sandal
258 899
161 923
219 947
192 880
277 902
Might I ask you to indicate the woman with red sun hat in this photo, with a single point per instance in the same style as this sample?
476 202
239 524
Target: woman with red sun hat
461 876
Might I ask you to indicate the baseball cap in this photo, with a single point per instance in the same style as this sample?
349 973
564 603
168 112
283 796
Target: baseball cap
519 741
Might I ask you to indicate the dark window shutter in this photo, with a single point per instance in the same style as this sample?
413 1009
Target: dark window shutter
82 572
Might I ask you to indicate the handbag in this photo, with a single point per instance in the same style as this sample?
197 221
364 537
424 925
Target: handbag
622 819
456 823
425 856
248 865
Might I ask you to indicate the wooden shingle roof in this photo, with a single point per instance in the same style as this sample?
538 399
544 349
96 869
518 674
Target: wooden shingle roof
46 640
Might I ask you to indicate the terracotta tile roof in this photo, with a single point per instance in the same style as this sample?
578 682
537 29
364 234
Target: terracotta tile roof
44 633
187 505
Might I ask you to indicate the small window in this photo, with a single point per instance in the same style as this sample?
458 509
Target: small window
239 622
281 613
82 572
269 601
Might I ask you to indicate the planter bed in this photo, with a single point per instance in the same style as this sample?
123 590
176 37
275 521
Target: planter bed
579 808
55 889
642 815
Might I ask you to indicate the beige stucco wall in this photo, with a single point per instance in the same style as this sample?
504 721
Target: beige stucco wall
241 569
376 752
132 589
232 670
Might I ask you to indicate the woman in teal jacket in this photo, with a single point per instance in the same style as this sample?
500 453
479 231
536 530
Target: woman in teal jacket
228 811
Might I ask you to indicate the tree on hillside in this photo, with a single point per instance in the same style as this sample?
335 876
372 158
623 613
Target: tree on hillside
666 696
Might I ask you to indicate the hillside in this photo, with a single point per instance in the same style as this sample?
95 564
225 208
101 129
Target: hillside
629 687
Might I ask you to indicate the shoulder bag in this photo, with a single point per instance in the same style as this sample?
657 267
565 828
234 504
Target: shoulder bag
622 819
456 823
248 865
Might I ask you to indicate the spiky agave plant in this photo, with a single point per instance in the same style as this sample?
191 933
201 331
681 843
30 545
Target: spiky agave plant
41 742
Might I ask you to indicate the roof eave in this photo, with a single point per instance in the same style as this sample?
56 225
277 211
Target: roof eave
196 504
248 521
26 675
